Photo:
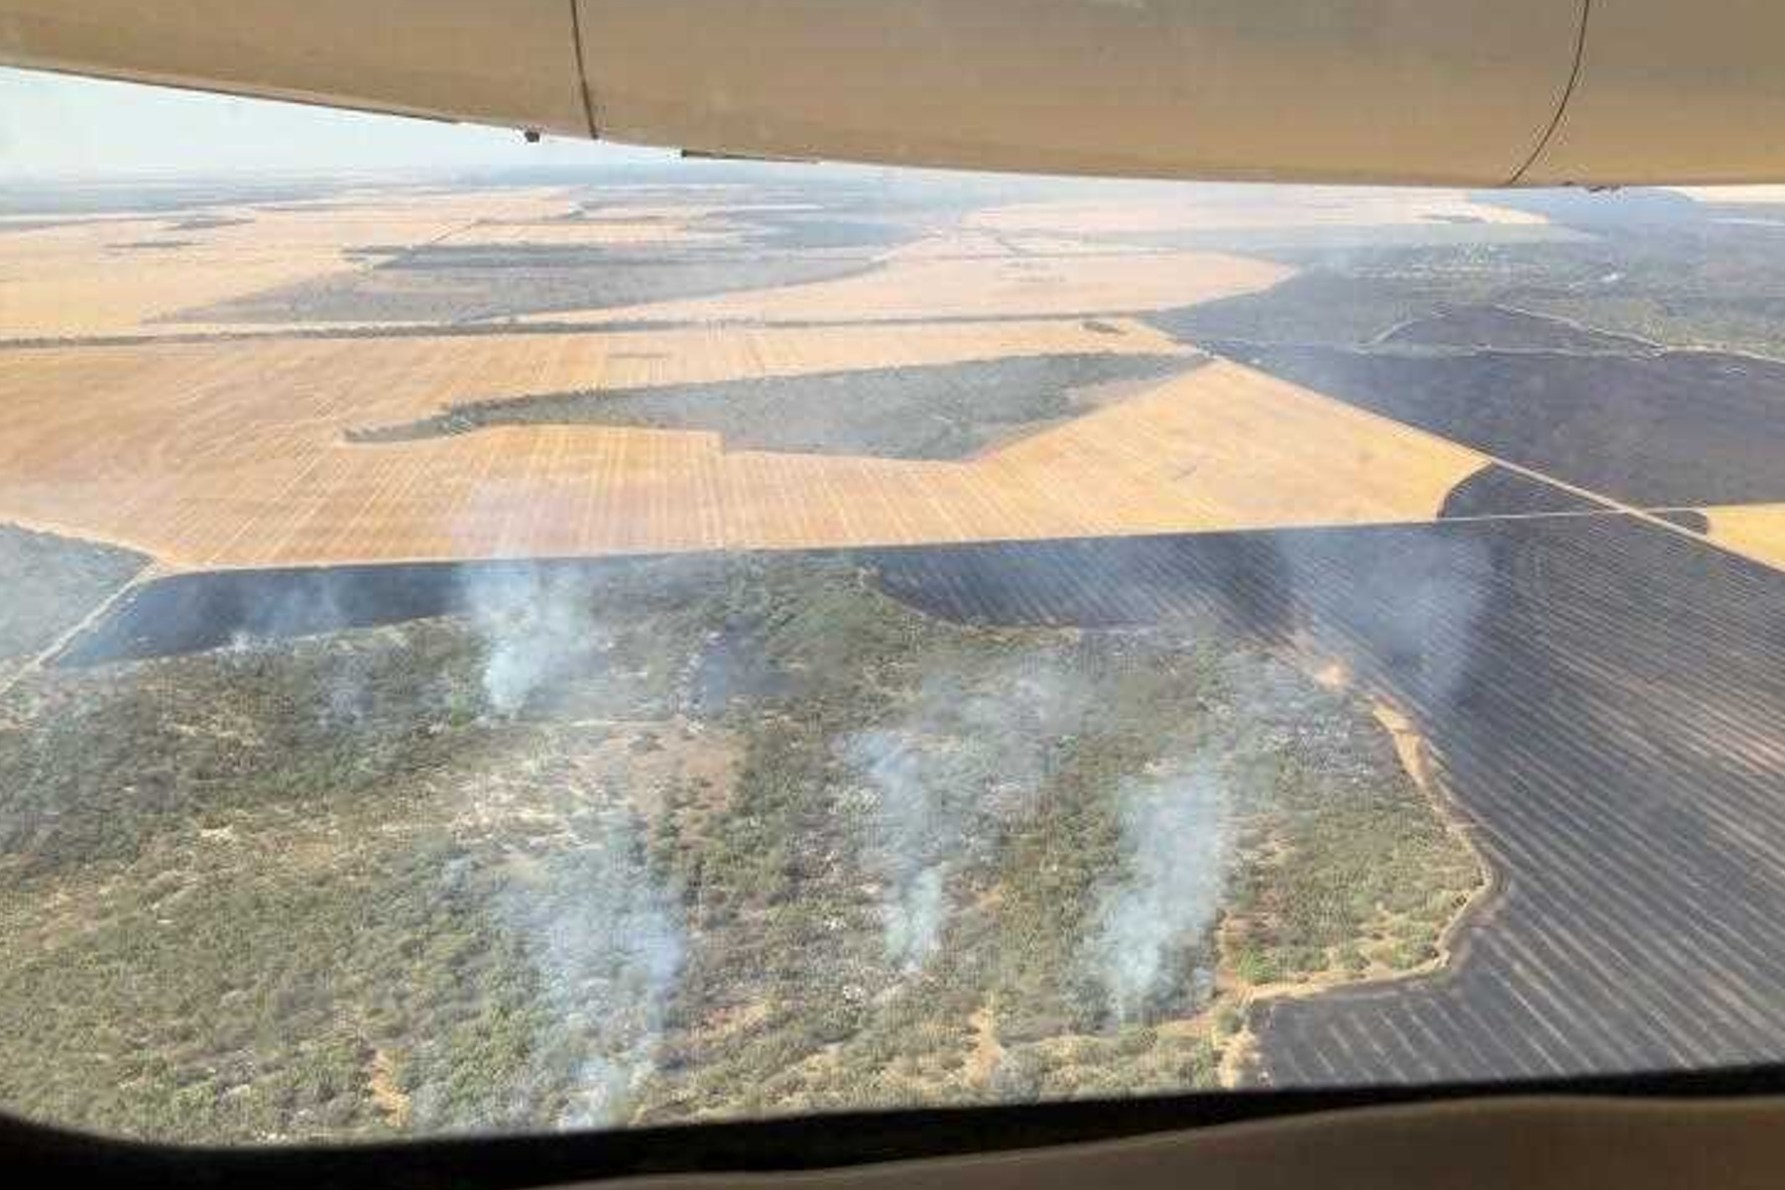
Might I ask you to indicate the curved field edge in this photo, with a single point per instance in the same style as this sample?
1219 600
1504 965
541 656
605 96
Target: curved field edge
1239 1064
713 837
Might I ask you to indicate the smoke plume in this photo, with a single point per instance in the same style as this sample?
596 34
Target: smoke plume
607 941
1176 838
968 751
538 624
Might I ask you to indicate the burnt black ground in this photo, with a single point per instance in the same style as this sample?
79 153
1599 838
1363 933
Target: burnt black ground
1489 327
519 284
189 613
470 282
1605 700
928 411
48 584
1500 491
1676 429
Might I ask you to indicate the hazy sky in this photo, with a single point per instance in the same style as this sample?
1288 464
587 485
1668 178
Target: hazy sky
55 126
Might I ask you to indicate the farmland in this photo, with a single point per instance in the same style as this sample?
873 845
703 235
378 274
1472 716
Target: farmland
1533 650
685 847
725 640
51 585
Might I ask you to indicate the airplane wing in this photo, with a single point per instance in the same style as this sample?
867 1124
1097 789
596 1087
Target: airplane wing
1458 92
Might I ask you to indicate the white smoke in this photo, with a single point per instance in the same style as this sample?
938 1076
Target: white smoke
538 620
914 821
538 624
1177 839
604 933
963 755
607 940
1429 598
1444 593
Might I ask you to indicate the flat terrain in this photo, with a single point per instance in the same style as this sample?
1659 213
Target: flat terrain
1601 698
636 842
1672 429
284 452
970 372
51 584
1757 530
738 641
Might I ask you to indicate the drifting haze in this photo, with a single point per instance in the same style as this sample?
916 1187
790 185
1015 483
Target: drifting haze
1177 839
962 750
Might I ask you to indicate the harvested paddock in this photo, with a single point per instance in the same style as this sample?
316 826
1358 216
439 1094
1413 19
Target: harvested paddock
1757 530
78 413
1228 447
204 461
70 279
915 288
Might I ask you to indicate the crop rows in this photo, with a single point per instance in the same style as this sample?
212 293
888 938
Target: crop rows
1603 699
239 456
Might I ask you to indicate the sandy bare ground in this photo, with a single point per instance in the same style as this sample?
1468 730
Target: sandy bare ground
200 462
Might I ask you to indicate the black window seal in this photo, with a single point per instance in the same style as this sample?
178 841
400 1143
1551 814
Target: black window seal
34 1154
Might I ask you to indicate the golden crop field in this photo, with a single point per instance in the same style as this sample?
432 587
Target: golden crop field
234 454
119 276
1757 530
319 440
1007 285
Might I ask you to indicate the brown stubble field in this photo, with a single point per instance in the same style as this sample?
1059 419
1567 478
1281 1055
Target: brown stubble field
137 422
140 421
191 472
117 276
